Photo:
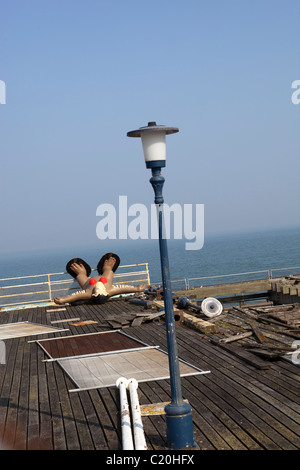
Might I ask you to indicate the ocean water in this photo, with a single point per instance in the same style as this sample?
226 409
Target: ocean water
221 255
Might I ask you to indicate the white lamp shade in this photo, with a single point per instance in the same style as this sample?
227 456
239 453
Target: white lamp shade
154 145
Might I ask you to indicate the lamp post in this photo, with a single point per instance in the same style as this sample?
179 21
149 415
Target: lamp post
178 412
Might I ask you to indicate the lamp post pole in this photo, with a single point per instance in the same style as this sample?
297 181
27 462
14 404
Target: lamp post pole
178 412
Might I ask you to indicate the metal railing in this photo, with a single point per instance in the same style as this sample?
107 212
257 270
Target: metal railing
41 293
23 294
188 283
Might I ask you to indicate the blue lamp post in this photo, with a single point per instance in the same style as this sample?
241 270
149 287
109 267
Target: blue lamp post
178 412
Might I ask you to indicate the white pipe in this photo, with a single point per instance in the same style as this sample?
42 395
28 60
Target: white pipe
138 430
127 439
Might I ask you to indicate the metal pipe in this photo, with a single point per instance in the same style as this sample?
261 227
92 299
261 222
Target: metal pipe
127 439
184 302
138 430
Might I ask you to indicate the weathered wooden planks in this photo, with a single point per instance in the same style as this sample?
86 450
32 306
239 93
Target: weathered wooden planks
236 406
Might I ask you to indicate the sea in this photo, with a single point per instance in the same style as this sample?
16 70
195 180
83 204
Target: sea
223 258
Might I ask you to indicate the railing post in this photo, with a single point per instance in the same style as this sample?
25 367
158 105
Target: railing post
49 287
148 274
270 273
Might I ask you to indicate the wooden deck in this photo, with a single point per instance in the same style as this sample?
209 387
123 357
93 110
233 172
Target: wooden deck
235 407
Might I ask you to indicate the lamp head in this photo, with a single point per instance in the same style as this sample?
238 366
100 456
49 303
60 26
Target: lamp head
154 143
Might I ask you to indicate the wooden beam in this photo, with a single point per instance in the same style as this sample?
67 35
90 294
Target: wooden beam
198 324
232 338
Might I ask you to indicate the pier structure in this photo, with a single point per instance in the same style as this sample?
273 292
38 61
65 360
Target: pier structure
249 400
284 290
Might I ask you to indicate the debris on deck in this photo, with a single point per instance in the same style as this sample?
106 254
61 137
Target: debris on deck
268 332
257 334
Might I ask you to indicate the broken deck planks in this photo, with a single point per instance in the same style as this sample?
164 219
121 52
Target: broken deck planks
241 353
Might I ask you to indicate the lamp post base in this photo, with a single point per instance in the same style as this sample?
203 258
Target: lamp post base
179 426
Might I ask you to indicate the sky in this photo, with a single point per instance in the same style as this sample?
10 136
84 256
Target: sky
80 74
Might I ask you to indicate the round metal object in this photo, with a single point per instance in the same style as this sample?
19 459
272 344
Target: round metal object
211 307
152 127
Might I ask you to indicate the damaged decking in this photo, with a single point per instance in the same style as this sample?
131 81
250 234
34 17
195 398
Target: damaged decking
237 406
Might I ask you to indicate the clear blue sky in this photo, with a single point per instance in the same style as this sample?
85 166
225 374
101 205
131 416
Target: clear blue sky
80 74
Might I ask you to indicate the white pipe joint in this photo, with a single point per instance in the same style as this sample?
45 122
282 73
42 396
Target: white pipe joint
127 440
138 430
